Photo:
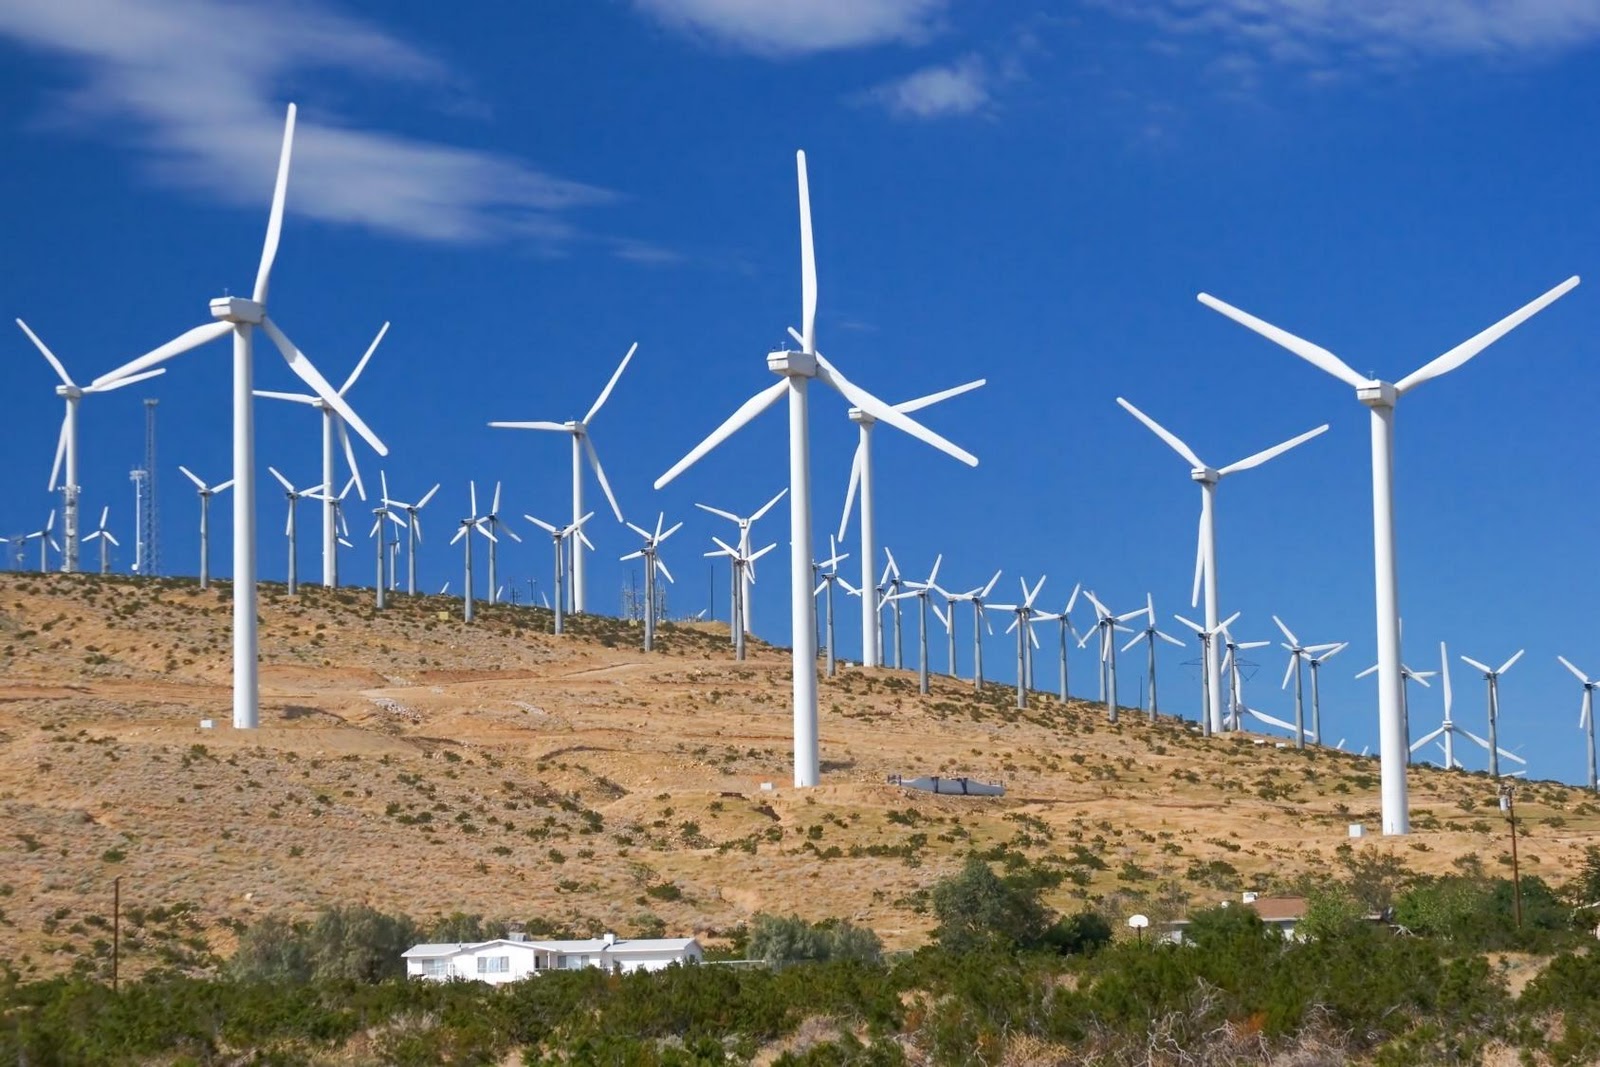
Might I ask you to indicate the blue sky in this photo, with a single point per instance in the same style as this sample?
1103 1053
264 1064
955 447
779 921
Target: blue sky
1030 193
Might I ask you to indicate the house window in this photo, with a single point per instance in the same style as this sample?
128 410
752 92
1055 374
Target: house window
494 964
435 968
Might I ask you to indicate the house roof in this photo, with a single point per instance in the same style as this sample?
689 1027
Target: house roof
1279 909
621 946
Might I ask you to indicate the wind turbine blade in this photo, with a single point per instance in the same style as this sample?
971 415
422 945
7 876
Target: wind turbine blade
600 473
472 496
1276 450
661 520
509 532
990 587
557 427
398 521
269 250
763 552
482 526
281 479
350 459
461 532
726 550
638 530
747 411
808 260
850 493
1136 639
494 506
61 454
110 387
309 374
730 516
50 356
1340 647
905 407
1293 640
1484 667
1229 621
107 535
105 513
1423 742
1316 355
1575 671
1513 757
362 364
612 384
933 575
635 554
864 400
1169 639
1467 349
1199 562
1288 673
1506 666
1368 671
662 567
1481 742
1196 627
175 347
298 398
427 496
768 506
190 475
545 526
1172 440
670 531
383 486
1444 671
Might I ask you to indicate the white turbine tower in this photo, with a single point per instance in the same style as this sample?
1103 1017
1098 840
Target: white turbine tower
103 535
1448 729
861 474
796 369
206 493
1106 625
291 527
980 622
1298 654
828 576
341 527
890 587
651 554
1315 663
1148 635
1492 675
922 591
413 534
1205 564
1024 632
496 527
1063 621
744 576
467 525
561 536
333 426
1207 635
741 596
1586 716
1230 665
582 446
1407 676
1380 397
240 317
67 443
46 541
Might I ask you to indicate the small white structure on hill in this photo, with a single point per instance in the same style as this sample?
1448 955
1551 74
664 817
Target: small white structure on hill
511 958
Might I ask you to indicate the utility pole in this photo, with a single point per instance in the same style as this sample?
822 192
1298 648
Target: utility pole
116 929
1508 804
150 520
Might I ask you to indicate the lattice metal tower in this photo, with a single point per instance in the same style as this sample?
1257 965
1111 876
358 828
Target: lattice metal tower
150 515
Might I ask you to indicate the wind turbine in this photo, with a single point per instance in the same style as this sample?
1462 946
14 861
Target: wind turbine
466 526
1448 729
1024 631
206 493
1586 716
1380 397
743 575
413 534
46 541
1230 664
1298 653
103 535
1492 677
796 369
1063 619
828 574
861 474
328 498
922 591
380 531
67 443
1106 625
1147 635
1206 636
1407 676
561 536
651 554
980 622
582 445
894 585
742 595
1205 567
496 527
290 527
239 316
333 426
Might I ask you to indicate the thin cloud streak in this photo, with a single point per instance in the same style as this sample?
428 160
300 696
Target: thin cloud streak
949 90
781 28
202 82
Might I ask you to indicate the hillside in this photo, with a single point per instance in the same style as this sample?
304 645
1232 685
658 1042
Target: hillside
409 761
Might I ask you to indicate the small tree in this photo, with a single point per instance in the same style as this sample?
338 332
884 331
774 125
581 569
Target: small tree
272 950
979 910
360 943
1331 912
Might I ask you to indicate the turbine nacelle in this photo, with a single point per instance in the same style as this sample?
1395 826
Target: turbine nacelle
1377 394
237 309
792 364
69 392
1206 475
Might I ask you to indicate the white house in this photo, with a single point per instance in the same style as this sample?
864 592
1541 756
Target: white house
511 958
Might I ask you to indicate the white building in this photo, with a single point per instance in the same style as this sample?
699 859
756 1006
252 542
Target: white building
509 959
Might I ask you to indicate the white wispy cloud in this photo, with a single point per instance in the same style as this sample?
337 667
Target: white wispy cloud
950 89
1315 32
198 88
799 27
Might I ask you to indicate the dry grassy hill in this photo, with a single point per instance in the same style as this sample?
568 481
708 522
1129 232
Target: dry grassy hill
418 764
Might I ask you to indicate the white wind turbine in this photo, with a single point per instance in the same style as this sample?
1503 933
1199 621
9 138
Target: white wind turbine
582 446
67 443
380 532
1448 729
206 493
1298 654
413 534
922 591
1148 635
1380 397
828 576
980 622
46 541
1022 611
291 527
560 536
1206 545
467 525
1207 635
796 369
741 596
1106 625
1063 621
891 586
496 527
651 554
103 535
336 501
333 426
1230 664
1492 675
1586 717
1315 663
1407 676
240 316
744 575
861 474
